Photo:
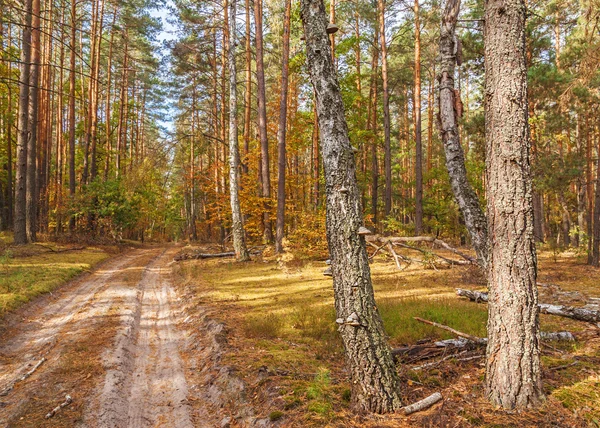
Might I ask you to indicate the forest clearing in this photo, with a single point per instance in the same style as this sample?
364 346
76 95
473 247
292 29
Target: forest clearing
299 213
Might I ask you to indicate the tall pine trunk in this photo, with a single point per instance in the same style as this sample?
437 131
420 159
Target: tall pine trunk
33 122
20 222
387 157
281 131
375 383
513 375
262 122
417 116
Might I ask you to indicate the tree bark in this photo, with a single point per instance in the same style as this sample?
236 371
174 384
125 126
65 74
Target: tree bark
262 121
466 197
375 383
20 222
513 377
418 143
237 227
281 131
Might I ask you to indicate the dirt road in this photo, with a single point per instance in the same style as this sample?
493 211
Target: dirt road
112 341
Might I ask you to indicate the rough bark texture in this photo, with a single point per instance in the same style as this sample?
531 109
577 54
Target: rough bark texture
513 356
237 227
466 198
281 131
375 383
20 233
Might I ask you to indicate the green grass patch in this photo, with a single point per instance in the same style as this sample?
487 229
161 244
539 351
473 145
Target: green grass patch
24 278
583 397
398 318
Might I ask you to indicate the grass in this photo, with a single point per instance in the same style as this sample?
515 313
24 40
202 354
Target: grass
32 270
281 315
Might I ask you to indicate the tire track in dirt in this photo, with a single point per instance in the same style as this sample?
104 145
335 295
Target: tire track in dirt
59 324
145 382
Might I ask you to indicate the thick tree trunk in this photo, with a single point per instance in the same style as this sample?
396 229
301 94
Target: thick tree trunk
262 121
375 383
513 378
237 227
281 131
466 198
387 158
417 115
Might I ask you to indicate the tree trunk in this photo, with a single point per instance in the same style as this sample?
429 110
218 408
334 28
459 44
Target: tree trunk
418 143
72 72
596 228
248 90
281 132
237 227
262 121
466 197
20 228
34 79
375 383
513 378
372 126
387 162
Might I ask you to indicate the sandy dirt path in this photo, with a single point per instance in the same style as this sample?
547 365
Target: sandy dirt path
111 341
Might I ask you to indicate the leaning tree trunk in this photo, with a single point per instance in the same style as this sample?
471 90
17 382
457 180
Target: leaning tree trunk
237 228
466 198
513 356
375 383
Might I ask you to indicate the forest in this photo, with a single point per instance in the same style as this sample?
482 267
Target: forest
299 213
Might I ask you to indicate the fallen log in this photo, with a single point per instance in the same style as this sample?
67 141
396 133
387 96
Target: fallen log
423 404
579 314
420 348
189 256
431 239
478 340
68 400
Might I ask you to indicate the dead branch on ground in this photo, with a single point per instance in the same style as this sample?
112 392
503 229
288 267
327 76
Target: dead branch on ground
68 400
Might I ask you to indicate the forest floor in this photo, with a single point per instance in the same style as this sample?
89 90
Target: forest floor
142 341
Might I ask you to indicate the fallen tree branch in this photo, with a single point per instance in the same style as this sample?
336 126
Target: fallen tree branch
579 314
422 404
435 363
433 240
22 378
478 340
391 250
68 400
